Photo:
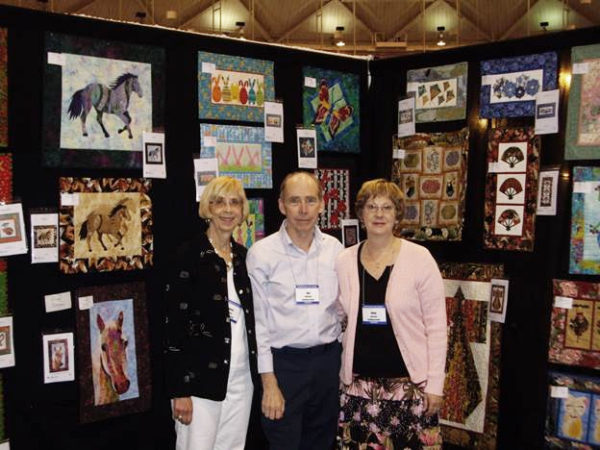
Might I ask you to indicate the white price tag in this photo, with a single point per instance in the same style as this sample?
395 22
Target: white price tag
210 141
5 445
563 302
580 68
208 67
493 167
57 59
67 199
559 392
583 187
399 153
86 302
57 302
310 82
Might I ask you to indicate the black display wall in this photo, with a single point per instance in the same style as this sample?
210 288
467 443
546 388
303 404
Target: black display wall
42 416
523 379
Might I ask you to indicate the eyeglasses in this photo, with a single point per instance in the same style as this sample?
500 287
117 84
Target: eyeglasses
221 202
386 209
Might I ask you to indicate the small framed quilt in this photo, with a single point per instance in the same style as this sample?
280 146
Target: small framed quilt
509 85
585 221
253 228
511 189
433 178
105 224
242 153
469 414
233 87
331 103
573 416
113 351
3 88
336 195
583 115
440 92
575 324
99 97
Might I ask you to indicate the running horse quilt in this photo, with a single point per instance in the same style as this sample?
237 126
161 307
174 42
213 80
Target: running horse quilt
331 103
583 115
99 98
511 189
433 178
585 221
105 224
113 351
469 415
233 87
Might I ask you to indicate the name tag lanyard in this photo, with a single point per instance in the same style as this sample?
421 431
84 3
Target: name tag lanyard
308 293
371 314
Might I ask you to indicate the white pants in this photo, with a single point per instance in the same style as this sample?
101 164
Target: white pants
219 425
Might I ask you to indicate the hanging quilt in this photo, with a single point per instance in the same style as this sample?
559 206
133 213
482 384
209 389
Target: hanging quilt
3 88
242 153
585 221
99 98
331 103
105 224
233 87
253 228
511 189
469 415
433 178
113 351
3 311
336 196
573 416
583 116
575 325
509 85
440 92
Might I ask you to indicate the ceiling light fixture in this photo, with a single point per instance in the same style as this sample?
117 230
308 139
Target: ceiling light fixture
240 29
338 38
544 25
441 42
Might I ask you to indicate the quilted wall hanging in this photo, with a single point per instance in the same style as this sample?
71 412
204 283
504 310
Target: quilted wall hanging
440 92
509 85
332 105
433 177
3 311
583 115
113 352
233 87
99 97
511 189
336 195
3 88
575 324
585 221
242 153
105 224
469 415
573 416
253 228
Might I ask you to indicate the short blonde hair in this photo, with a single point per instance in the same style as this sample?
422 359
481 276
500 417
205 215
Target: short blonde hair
380 187
220 187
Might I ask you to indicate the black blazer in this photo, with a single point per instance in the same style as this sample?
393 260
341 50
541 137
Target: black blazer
198 330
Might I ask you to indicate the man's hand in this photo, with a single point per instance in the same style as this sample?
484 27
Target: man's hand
433 403
183 409
273 403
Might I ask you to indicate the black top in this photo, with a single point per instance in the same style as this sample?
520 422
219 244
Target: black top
198 329
376 352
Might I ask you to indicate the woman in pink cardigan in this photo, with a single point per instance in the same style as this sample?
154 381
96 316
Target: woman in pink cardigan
395 342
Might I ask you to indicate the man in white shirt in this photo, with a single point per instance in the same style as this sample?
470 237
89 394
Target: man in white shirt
297 325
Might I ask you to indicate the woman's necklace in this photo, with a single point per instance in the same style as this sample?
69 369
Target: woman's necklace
382 259
222 254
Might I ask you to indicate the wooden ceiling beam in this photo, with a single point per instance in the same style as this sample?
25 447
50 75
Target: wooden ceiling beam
472 21
301 21
261 28
371 23
194 12
410 22
517 24
80 7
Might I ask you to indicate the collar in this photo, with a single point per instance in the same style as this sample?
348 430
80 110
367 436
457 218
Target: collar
287 240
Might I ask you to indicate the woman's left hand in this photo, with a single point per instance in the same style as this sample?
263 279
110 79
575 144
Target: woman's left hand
433 404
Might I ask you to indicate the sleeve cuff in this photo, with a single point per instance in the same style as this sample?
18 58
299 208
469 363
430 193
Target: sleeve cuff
265 363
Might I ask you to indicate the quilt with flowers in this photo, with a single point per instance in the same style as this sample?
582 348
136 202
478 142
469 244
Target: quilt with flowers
469 414
336 195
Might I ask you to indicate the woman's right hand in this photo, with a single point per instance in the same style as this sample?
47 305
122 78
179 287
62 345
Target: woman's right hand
183 410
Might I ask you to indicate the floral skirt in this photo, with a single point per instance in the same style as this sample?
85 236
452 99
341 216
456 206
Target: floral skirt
386 414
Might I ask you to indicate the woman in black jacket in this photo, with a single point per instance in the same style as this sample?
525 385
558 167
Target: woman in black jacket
211 348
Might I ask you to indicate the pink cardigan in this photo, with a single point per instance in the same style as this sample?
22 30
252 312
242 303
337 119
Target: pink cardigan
416 304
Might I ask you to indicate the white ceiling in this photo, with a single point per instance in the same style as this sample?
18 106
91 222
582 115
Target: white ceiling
377 27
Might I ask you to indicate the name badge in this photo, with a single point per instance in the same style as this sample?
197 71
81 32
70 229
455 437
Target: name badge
235 309
307 294
374 315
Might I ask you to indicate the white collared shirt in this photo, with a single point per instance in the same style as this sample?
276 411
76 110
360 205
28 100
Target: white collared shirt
276 265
